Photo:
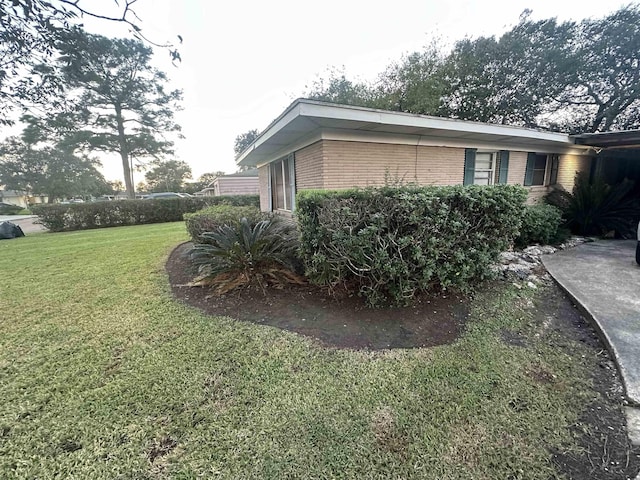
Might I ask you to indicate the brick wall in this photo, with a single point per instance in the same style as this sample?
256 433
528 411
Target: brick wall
263 180
568 167
363 164
309 167
338 164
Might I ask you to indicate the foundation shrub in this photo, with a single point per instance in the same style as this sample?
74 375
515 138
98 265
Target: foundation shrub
389 244
540 224
595 207
210 218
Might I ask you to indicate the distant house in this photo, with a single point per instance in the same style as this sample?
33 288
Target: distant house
20 199
241 183
319 145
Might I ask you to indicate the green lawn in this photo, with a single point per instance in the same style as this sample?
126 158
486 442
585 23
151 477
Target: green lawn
104 375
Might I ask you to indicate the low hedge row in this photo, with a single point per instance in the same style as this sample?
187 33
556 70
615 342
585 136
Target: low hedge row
84 216
210 218
8 209
390 243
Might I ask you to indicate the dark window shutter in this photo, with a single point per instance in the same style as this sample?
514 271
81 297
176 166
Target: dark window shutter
528 173
504 166
555 163
469 165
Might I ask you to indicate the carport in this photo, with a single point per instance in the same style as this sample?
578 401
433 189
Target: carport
617 155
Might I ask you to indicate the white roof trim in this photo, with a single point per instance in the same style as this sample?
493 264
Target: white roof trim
306 121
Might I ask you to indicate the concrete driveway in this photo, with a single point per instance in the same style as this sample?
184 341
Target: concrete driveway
604 280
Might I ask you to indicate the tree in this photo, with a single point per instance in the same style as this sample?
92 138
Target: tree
168 176
571 76
29 31
49 171
121 105
116 186
207 178
244 140
337 88
603 72
203 182
412 85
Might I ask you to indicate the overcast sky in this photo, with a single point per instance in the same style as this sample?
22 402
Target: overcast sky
244 62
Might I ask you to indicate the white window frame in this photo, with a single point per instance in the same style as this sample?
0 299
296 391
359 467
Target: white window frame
273 189
545 172
491 171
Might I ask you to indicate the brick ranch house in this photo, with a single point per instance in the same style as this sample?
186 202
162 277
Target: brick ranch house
319 145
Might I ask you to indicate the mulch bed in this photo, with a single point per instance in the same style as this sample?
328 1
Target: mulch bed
345 322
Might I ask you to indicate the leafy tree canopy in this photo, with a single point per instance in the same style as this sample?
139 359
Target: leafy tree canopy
572 76
49 171
29 32
119 102
168 176
244 140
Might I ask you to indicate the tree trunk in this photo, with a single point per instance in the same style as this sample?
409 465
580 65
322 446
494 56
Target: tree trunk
124 154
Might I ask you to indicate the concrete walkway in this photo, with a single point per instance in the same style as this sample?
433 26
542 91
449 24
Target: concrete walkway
604 280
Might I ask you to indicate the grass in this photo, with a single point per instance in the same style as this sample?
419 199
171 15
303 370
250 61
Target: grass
104 375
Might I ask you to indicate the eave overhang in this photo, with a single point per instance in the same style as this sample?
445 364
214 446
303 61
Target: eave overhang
307 121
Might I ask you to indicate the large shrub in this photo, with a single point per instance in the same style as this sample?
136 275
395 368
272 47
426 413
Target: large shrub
83 216
242 253
210 218
390 243
597 208
540 224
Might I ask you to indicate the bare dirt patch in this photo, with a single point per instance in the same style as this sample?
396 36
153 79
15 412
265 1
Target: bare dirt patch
345 322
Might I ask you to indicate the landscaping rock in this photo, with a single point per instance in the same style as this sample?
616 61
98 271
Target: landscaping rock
574 241
525 265
10 230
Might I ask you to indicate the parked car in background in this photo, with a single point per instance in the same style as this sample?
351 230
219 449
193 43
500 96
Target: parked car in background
155 196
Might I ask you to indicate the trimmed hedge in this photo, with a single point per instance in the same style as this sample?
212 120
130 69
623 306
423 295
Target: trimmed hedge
540 224
210 218
84 216
8 209
389 244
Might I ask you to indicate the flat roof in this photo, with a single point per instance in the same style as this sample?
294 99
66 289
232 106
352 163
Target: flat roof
620 139
305 119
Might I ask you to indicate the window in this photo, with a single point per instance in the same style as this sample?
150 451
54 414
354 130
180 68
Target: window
553 176
282 183
485 165
535 173
483 168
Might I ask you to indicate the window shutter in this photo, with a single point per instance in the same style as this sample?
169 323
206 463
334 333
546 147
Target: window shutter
528 173
504 166
469 165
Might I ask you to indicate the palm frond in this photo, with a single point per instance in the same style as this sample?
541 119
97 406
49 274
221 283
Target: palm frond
244 253
596 208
